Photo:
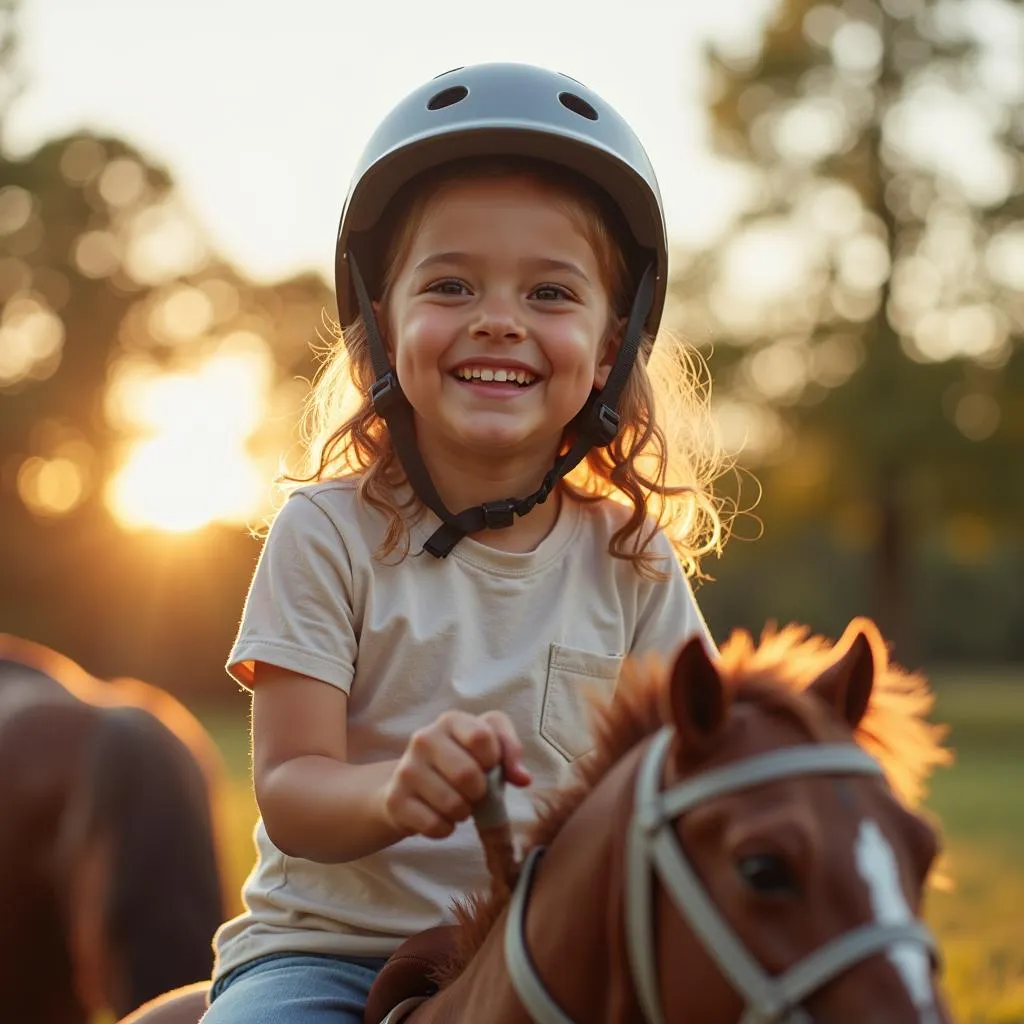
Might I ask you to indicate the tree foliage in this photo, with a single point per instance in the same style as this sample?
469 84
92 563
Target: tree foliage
867 305
109 298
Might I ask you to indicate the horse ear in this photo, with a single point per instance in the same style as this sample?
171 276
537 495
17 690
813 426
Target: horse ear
846 684
697 697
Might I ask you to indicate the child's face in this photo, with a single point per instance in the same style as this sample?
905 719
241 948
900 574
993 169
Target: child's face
498 320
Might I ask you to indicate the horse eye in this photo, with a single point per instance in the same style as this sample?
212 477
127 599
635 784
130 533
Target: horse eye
768 875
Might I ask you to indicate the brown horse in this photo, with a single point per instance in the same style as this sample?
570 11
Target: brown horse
739 846
110 880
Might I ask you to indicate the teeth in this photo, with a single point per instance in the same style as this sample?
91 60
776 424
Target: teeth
500 376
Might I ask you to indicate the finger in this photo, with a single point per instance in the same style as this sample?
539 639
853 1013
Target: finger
415 817
516 771
433 789
461 770
478 737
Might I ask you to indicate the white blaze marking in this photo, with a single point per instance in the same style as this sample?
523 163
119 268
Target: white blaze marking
877 865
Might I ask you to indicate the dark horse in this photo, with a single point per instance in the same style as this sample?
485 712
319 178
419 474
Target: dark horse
739 846
110 880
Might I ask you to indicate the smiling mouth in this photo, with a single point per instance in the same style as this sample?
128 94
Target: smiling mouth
495 375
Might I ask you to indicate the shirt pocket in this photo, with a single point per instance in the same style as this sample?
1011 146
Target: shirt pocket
574 676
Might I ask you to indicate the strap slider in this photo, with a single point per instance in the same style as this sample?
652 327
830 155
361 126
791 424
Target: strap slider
603 423
385 393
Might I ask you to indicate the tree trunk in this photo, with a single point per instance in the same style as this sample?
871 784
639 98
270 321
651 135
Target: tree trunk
891 568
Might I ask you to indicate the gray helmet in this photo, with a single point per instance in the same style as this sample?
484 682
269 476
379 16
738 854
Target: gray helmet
502 110
510 110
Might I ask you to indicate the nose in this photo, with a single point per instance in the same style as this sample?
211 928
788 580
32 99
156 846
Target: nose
497 320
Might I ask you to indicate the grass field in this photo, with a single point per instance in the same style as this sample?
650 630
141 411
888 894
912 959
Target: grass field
979 801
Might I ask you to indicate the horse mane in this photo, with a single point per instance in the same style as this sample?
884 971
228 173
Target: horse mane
773 673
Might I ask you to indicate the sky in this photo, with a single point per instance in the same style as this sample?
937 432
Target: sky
260 109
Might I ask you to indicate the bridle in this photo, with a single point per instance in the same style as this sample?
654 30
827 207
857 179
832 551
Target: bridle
653 849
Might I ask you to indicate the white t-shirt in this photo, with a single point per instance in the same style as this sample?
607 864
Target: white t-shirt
524 633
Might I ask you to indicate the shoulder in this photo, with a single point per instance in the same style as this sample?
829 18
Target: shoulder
658 613
603 518
600 517
340 492
329 514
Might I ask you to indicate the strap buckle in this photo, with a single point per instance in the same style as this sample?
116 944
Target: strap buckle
499 515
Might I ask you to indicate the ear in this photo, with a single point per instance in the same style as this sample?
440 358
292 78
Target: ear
697 698
845 686
609 350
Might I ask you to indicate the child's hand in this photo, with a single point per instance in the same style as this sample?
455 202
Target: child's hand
442 772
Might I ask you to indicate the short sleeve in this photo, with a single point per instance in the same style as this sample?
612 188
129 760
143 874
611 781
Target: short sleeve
668 614
298 613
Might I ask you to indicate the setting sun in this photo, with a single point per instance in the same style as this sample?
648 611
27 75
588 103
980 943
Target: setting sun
190 464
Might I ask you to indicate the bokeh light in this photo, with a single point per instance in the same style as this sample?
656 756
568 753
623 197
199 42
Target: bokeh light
191 462
51 487
31 339
162 242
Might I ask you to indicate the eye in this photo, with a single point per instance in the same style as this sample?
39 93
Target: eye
448 286
551 292
767 874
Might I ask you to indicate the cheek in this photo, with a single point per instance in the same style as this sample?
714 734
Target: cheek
422 339
575 349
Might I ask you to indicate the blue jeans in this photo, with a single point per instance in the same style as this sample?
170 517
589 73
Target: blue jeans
294 988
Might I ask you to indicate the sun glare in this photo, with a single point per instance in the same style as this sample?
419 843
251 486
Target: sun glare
190 464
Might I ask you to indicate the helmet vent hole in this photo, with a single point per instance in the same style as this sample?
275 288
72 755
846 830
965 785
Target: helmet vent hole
446 97
577 105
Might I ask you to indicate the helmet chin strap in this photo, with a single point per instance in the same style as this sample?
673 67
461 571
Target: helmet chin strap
598 425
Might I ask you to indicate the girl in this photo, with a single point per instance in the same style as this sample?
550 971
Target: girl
500 278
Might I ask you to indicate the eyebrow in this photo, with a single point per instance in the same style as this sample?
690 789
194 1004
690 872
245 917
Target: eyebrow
540 262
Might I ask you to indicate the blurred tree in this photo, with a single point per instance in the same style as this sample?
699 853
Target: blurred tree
103 272
10 72
127 347
869 301
65 295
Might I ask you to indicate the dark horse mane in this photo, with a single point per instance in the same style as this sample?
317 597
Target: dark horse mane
773 674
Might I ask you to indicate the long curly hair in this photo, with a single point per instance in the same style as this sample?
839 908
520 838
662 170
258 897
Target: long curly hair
662 464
